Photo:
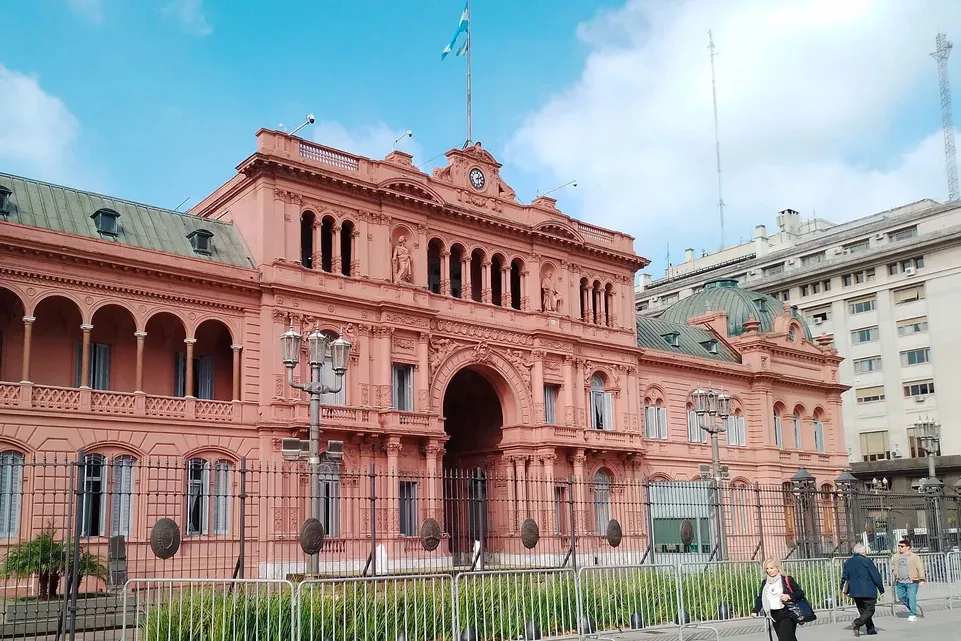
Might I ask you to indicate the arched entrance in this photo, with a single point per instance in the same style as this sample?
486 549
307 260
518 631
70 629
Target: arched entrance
474 420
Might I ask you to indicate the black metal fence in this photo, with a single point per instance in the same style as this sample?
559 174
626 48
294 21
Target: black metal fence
76 529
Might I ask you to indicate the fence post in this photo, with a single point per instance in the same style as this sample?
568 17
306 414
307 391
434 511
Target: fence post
75 563
373 521
760 522
570 496
650 519
239 570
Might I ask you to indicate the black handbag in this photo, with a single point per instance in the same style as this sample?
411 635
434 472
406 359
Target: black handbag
801 611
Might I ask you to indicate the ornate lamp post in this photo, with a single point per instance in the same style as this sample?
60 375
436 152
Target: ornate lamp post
929 433
317 346
881 489
847 484
709 404
805 488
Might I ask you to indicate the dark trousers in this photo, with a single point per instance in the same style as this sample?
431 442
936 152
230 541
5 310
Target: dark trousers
865 612
784 626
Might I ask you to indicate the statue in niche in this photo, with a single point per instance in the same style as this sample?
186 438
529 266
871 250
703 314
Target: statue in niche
549 295
401 262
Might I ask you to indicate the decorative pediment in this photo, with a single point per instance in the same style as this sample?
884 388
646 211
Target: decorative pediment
475 170
562 230
411 188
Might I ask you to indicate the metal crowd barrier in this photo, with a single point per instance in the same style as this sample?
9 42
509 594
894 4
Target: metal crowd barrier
616 599
209 609
395 608
953 563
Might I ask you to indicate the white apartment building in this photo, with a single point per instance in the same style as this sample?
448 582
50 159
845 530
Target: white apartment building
886 287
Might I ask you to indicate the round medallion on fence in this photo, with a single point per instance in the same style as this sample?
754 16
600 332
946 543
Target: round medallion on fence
687 533
311 536
614 533
165 538
530 533
430 534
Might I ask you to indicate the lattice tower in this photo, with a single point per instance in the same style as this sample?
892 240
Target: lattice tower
941 56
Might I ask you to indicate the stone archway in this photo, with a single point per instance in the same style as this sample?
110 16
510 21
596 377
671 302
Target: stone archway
512 390
473 418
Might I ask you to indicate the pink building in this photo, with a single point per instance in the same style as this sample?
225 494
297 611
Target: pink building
486 334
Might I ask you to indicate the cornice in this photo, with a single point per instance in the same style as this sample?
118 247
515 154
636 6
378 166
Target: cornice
87 285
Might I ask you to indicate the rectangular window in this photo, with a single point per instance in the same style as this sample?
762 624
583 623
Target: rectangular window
774 269
602 410
785 295
816 288
798 443
98 370
819 436
736 431
917 450
819 315
778 431
198 497
408 508
910 326
655 421
893 269
916 356
121 498
11 488
919 388
561 510
858 248
403 384
865 335
203 372
812 259
846 280
669 299
550 404
874 446
908 294
869 274
694 432
859 277
94 496
827 285
221 497
804 291
870 394
862 306
902 234
865 365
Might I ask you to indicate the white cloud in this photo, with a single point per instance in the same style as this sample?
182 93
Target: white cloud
807 93
190 14
37 131
92 9
373 141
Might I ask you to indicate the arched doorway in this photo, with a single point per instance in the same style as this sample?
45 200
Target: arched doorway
473 419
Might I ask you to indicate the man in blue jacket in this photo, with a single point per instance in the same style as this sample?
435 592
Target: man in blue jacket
861 581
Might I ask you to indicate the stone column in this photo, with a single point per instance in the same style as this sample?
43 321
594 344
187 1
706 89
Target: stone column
189 367
525 295
432 454
567 394
421 378
317 260
138 384
523 509
335 249
537 382
385 397
445 273
512 521
578 391
354 258
506 289
465 286
547 471
393 448
578 459
486 279
85 356
364 364
585 300
236 372
27 336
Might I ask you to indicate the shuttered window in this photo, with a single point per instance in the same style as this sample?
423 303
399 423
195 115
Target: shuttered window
98 369
121 498
11 489
908 294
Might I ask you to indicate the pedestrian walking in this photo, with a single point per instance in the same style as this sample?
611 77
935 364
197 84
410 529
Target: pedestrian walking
778 593
861 581
908 574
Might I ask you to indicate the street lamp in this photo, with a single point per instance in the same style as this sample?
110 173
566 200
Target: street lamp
928 432
709 404
847 483
318 344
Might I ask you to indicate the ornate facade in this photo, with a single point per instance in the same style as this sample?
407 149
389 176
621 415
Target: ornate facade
486 333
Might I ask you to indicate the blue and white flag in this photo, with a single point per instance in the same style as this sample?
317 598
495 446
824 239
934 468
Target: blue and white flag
461 28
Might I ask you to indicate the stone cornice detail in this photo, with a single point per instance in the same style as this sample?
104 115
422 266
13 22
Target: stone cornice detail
43 279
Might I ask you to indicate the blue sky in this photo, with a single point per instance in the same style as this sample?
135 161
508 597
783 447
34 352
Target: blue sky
825 106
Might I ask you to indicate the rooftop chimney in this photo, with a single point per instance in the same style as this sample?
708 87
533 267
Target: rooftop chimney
760 231
789 221
688 255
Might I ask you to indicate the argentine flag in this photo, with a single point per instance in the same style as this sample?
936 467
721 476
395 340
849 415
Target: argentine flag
461 28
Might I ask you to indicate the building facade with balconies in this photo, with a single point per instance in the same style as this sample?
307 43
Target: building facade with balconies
486 335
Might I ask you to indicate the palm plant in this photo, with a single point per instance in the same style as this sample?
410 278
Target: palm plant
46 557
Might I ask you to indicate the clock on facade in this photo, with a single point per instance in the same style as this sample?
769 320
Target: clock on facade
477 179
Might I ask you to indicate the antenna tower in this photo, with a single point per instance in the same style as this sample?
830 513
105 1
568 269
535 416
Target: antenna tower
717 138
941 56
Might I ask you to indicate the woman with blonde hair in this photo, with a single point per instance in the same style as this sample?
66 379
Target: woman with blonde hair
777 593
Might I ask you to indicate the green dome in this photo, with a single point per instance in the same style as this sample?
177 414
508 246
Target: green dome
740 304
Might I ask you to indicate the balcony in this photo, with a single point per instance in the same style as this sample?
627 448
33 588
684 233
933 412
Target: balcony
564 436
50 398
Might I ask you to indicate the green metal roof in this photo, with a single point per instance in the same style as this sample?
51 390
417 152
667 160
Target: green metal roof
654 334
67 210
740 304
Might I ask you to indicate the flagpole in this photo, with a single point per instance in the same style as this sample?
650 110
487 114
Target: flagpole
469 47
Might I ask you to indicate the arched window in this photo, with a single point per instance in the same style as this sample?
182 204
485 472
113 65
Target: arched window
778 429
327 244
741 508
655 420
584 303
694 432
121 496
329 378
597 312
602 405
307 222
330 498
736 430
92 513
208 500
456 274
434 249
477 275
819 444
602 501
516 294
497 280
798 443
11 488
346 247
609 305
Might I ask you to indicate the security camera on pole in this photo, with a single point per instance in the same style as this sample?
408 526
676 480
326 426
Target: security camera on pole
318 345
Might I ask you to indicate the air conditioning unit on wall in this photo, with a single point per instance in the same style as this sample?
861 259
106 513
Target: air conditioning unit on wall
909 271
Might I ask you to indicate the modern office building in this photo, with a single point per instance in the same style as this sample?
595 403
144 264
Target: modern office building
886 288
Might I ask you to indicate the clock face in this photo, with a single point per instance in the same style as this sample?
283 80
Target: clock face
477 179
